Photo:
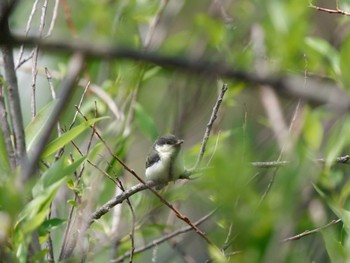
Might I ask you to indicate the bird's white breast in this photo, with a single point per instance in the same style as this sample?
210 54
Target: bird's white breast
159 171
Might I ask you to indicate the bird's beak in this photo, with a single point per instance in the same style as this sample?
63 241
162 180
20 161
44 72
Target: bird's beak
179 142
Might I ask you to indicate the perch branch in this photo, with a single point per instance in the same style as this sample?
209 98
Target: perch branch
118 200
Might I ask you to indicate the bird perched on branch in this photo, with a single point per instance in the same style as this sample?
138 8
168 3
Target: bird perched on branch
164 162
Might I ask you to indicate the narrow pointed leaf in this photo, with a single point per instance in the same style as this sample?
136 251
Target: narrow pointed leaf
34 128
70 135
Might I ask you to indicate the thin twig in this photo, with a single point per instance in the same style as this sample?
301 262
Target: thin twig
35 58
154 23
50 254
133 224
309 232
331 11
342 159
158 241
289 143
210 125
79 105
29 24
68 17
53 20
53 95
271 164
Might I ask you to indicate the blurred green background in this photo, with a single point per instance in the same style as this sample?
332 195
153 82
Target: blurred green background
256 207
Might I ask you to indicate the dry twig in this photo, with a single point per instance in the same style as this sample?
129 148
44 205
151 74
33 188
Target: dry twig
210 125
331 11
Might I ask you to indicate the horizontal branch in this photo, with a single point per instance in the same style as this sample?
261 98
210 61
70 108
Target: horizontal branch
140 187
118 200
340 160
319 91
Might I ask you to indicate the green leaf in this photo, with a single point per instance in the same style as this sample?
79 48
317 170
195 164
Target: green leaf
338 141
151 72
335 250
70 135
35 127
50 225
279 16
213 29
343 214
22 251
216 254
145 122
72 202
313 131
326 50
56 172
35 212
344 63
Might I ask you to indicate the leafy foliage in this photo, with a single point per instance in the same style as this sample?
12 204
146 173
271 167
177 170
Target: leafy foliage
257 207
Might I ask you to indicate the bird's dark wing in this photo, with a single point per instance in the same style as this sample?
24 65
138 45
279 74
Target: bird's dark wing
152 158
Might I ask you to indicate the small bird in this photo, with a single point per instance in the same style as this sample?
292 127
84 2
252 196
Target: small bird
164 162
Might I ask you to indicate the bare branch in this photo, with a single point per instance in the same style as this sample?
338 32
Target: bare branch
331 11
210 125
340 160
118 200
269 164
309 232
53 20
53 95
318 90
35 58
20 61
